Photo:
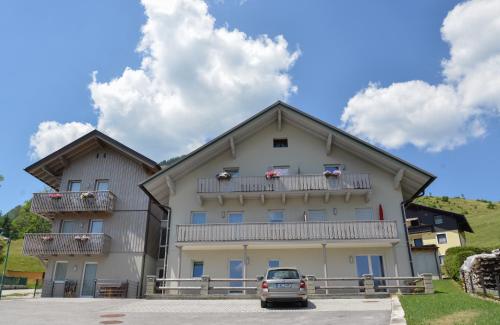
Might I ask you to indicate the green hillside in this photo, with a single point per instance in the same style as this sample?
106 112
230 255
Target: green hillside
19 262
483 216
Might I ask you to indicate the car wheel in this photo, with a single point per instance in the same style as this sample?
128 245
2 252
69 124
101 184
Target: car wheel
263 304
304 303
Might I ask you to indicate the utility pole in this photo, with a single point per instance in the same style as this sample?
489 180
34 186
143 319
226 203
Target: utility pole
5 266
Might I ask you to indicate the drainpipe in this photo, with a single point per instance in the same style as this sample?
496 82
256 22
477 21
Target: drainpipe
167 248
403 204
143 266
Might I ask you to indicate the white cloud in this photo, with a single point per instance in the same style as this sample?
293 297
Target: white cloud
447 115
51 136
195 81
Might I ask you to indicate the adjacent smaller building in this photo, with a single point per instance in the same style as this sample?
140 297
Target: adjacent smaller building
431 232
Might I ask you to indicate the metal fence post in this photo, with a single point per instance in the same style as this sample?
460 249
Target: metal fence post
36 285
368 284
497 280
482 284
205 285
150 285
428 287
311 285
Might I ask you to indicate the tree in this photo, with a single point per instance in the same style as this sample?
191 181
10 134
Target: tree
27 222
1 179
8 228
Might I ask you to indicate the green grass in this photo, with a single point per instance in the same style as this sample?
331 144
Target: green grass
484 221
19 262
449 305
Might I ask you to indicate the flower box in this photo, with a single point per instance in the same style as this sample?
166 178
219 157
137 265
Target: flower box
330 173
55 196
47 238
223 176
87 195
82 237
271 174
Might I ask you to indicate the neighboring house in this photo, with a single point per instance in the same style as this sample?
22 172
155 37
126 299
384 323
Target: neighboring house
242 223
105 230
430 227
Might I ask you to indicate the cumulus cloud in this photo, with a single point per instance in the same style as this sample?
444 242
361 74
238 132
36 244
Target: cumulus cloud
52 135
194 82
447 115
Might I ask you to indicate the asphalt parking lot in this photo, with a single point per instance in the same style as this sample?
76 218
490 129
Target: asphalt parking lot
112 311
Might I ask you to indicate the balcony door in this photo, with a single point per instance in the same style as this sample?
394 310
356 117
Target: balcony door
364 214
235 217
96 226
88 279
317 215
235 272
370 264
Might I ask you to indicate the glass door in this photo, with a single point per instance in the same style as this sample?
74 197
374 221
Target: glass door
88 281
373 265
235 272
96 227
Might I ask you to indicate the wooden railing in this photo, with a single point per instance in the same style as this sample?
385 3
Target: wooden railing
340 230
316 286
66 244
285 183
420 229
90 201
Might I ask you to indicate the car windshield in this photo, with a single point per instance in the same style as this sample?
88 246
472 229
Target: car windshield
282 274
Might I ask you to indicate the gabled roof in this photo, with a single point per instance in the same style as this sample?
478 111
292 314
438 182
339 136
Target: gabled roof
463 224
414 179
49 169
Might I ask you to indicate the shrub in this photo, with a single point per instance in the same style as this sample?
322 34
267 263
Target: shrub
445 199
456 256
490 205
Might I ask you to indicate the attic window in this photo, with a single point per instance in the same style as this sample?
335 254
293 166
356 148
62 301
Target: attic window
280 143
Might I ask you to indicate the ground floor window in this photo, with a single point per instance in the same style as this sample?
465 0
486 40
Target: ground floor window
418 242
441 238
197 269
60 270
370 264
273 263
441 259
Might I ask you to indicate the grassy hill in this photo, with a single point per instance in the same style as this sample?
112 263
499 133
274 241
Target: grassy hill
483 216
19 262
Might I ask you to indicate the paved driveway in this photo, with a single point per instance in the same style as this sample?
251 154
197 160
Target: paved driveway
107 311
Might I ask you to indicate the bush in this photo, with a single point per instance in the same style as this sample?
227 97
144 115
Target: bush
445 199
456 256
490 205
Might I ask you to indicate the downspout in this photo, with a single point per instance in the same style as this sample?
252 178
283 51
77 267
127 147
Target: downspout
141 282
169 214
403 211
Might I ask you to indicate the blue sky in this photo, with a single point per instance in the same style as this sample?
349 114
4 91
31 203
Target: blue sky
50 51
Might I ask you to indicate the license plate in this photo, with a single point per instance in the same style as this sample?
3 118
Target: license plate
284 285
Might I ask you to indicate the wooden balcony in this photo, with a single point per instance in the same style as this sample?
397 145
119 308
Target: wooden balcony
285 183
66 244
300 231
48 204
420 229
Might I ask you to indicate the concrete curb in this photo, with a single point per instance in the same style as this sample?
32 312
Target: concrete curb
397 312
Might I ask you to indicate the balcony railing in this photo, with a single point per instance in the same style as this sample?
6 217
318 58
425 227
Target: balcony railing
341 230
420 229
90 201
66 244
345 181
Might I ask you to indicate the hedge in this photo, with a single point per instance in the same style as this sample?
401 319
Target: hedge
456 256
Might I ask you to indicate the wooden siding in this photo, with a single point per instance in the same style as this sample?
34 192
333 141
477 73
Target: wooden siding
123 174
285 183
349 230
66 244
43 204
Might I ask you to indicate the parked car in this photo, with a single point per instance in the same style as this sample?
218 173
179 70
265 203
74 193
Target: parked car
282 284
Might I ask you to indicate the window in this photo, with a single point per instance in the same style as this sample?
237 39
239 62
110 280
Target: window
96 227
438 220
370 264
283 274
441 259
160 273
102 185
441 238
332 167
276 216
415 223
68 227
198 218
418 242
316 215
364 214
60 270
163 243
233 171
273 263
235 217
197 269
74 186
280 143
281 170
